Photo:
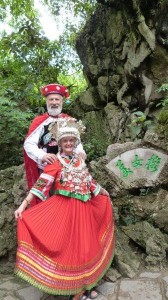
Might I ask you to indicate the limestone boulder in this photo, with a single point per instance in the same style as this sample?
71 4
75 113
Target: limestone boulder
90 100
13 189
138 167
127 263
149 238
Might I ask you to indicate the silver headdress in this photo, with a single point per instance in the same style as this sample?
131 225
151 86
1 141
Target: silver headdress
64 128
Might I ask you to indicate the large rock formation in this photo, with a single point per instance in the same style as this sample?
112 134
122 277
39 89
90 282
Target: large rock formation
123 49
124 52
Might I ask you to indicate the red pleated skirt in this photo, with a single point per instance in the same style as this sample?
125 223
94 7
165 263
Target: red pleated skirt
65 245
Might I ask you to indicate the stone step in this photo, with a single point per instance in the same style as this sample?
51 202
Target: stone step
147 286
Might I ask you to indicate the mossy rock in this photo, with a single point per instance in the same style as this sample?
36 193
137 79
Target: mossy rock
97 136
163 121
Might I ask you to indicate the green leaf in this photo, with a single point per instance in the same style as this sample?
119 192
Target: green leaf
138 113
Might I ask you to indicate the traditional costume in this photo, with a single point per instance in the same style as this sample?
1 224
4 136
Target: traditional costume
38 141
66 243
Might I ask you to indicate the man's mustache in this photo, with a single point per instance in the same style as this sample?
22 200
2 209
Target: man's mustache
55 106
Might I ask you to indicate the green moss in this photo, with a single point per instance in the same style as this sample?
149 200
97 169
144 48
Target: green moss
163 121
96 138
163 117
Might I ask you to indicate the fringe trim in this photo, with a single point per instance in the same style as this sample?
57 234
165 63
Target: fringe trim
53 291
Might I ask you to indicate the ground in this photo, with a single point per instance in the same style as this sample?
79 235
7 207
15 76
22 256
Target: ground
146 286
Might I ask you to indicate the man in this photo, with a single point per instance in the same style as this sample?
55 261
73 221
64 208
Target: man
39 148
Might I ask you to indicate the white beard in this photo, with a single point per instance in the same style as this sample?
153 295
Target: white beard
54 111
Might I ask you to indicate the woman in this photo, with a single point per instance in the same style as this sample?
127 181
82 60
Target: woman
65 244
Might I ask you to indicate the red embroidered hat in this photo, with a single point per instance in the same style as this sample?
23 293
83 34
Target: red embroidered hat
55 88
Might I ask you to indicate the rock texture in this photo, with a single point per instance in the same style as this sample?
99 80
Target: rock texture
13 188
123 50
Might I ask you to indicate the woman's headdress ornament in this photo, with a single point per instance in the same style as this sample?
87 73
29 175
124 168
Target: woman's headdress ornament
64 128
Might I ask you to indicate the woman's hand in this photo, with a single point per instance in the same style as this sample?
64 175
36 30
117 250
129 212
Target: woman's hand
103 192
22 207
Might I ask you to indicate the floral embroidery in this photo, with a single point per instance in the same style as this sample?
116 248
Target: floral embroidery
41 183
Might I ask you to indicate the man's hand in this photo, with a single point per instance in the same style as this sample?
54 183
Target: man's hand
82 155
49 158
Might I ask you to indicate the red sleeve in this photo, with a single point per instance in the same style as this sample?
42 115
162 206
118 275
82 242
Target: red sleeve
94 187
44 183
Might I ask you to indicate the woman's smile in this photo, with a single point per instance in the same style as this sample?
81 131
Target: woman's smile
68 144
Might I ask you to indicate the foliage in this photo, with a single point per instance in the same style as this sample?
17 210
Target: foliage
163 88
95 143
163 102
27 63
139 123
144 191
163 3
28 60
163 116
94 149
75 82
139 117
13 128
163 122
77 7
16 8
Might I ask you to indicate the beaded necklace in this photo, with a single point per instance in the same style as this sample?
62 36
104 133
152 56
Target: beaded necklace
69 165
76 178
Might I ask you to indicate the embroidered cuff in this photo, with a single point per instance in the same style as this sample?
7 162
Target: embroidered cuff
97 190
38 194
